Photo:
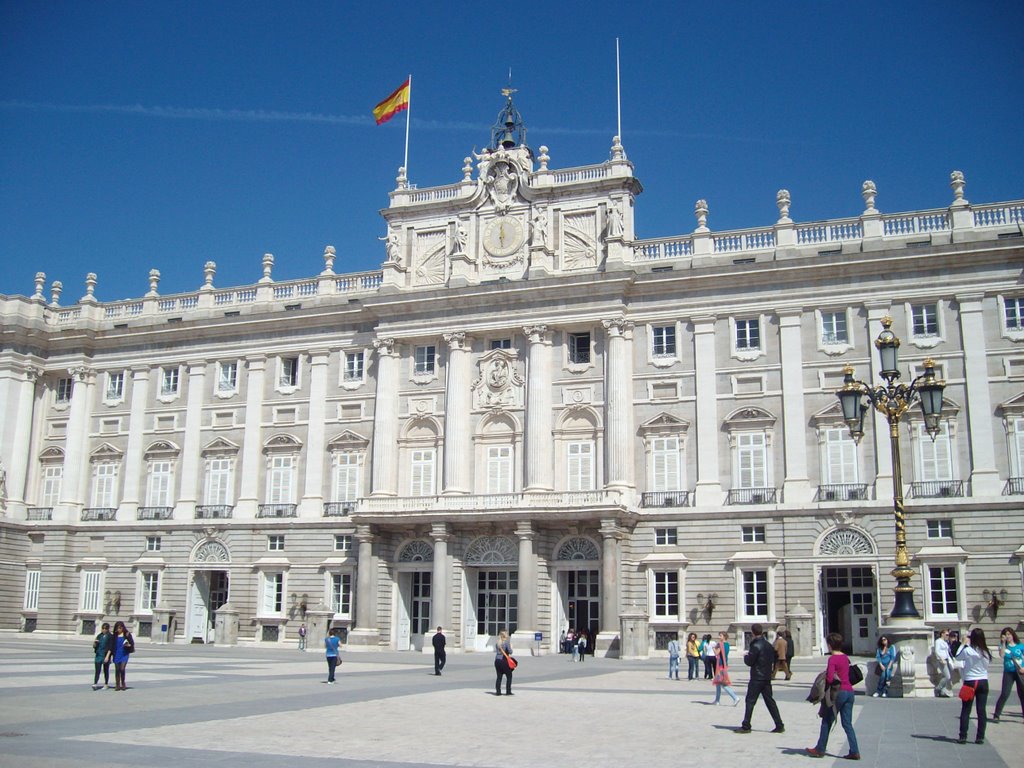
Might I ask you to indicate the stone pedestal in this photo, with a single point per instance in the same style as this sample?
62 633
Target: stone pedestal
523 640
634 642
318 622
800 623
363 639
913 639
225 625
163 624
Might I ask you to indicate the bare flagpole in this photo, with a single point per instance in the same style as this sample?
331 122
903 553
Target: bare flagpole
408 117
618 90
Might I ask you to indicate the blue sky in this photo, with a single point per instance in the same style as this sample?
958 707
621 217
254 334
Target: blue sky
142 134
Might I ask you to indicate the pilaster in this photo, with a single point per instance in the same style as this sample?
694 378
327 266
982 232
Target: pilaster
984 475
883 454
313 493
609 628
248 494
365 633
539 464
440 613
136 431
191 447
619 404
458 404
709 484
75 458
527 585
385 421
796 487
21 452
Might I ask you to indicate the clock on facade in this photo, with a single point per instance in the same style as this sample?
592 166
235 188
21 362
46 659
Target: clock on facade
503 236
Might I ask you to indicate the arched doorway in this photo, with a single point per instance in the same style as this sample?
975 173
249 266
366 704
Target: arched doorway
847 589
577 586
414 568
209 585
490 590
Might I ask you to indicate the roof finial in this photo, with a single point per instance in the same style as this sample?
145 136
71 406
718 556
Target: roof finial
509 130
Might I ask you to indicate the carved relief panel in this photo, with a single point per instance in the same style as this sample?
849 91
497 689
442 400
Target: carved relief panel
580 247
500 385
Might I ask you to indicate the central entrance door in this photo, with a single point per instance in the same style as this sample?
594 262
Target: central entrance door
583 603
208 593
849 607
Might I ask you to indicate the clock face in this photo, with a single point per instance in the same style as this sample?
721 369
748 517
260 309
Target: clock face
503 236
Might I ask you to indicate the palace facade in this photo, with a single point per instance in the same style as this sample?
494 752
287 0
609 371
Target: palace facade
529 419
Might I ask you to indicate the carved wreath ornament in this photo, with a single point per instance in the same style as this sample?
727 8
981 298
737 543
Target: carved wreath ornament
845 541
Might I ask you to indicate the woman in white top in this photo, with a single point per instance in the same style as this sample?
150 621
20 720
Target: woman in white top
975 656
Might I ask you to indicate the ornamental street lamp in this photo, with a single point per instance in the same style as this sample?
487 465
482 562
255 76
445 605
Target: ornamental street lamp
892 400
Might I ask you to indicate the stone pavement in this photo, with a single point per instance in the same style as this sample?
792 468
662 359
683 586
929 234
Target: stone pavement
256 707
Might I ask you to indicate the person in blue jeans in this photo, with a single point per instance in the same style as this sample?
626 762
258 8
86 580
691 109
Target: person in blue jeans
886 656
837 671
673 659
332 643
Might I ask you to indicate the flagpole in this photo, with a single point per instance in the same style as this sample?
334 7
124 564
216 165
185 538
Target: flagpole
408 114
618 90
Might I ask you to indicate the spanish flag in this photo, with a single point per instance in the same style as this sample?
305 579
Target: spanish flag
393 104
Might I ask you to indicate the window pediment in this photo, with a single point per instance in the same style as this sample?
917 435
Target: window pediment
106 452
220 446
52 454
750 418
665 424
162 449
347 441
283 443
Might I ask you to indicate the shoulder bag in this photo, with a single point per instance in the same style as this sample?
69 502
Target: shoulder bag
510 660
967 691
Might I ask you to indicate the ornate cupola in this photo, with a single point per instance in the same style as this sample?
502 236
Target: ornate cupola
508 130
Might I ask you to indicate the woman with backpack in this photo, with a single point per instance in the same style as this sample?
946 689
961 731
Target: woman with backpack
837 675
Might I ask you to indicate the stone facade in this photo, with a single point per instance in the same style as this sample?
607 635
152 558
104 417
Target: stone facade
528 418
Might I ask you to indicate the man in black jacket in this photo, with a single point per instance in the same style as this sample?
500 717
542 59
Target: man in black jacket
440 657
761 660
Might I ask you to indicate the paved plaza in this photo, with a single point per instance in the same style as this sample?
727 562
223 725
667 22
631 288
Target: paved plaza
249 706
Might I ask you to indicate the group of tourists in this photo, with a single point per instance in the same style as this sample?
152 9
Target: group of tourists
112 648
575 642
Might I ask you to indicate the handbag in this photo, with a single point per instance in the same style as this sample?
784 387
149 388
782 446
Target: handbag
967 692
510 660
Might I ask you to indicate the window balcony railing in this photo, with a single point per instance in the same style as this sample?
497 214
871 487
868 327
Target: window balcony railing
752 496
843 492
665 499
155 513
278 510
1014 487
937 489
213 511
339 508
99 513
40 513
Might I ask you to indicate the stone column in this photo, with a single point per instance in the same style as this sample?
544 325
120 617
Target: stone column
191 448
440 588
527 623
21 451
73 486
883 454
365 632
797 487
458 403
133 469
539 463
313 495
618 438
249 490
709 482
385 420
984 475
607 637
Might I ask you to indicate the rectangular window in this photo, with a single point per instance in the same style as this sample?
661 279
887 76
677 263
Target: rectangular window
666 593
422 473
150 591
342 542
289 372
32 579
115 386
341 593
1017 447
273 594
581 466
281 480
755 594
63 391
153 543
91 581
752 459
501 343
499 469
665 468
218 482
169 381
940 529
158 484
936 457
840 457
425 360
227 377
346 476
1014 313
53 475
925 319
579 348
104 485
748 334
753 534
833 328
355 365
942 589
275 543
666 536
663 340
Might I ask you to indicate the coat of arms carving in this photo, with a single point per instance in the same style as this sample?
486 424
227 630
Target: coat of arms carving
499 385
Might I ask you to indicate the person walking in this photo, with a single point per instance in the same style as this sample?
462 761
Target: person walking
761 660
836 671
100 647
673 658
503 663
692 657
721 679
581 642
302 637
440 657
1013 670
975 656
121 647
944 662
780 654
573 648
332 645
886 656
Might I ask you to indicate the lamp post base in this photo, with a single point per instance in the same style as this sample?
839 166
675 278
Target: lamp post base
913 639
